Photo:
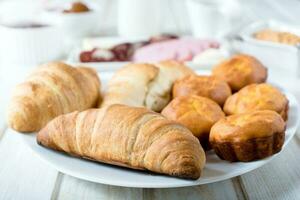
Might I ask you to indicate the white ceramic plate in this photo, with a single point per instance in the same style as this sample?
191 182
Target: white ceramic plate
215 168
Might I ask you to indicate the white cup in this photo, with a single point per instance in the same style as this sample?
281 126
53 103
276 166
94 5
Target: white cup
29 46
212 18
139 18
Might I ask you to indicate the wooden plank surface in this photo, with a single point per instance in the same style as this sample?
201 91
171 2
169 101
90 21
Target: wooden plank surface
22 174
71 187
280 179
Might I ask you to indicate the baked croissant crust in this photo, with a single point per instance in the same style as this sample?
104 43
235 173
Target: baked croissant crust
127 136
128 85
160 89
51 90
144 85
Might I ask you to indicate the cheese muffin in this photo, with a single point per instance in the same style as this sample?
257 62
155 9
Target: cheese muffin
247 137
205 86
241 70
257 97
197 113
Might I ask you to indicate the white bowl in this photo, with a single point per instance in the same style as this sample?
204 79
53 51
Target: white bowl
30 46
74 25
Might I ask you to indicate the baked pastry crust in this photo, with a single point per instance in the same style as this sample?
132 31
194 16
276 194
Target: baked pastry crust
241 70
277 36
129 85
257 97
197 113
160 89
144 85
51 90
247 137
127 136
207 86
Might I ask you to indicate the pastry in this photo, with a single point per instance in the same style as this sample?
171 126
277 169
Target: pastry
247 137
127 136
53 89
77 7
206 86
257 97
240 70
129 85
196 113
277 36
160 89
144 85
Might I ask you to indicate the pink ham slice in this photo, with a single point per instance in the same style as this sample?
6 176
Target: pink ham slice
183 49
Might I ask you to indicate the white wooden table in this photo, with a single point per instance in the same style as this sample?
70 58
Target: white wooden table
24 176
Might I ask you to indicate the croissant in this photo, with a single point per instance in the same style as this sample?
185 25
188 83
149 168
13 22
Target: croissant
53 89
144 85
132 137
160 89
128 85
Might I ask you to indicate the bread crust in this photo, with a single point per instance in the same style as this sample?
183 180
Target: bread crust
241 70
205 86
197 113
144 85
248 137
250 150
52 89
257 97
127 136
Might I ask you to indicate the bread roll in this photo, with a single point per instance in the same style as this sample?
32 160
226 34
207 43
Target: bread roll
247 137
206 86
241 70
257 97
197 113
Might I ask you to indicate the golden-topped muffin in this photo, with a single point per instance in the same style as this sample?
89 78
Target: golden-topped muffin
257 97
249 136
241 70
196 113
206 86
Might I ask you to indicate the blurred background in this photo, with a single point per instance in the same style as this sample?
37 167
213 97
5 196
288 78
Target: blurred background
174 14
104 33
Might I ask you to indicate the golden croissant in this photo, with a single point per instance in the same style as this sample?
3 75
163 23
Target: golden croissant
127 136
144 85
53 89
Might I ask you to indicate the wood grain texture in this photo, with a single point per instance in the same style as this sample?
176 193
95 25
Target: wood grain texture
219 190
22 174
280 179
72 187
